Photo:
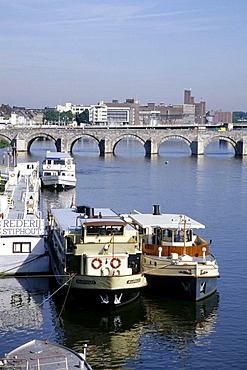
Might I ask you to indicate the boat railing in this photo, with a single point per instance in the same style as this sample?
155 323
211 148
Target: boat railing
56 362
12 363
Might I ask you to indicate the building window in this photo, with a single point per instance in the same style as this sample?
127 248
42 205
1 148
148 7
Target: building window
22 247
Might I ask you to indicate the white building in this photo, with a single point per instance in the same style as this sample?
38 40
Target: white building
98 114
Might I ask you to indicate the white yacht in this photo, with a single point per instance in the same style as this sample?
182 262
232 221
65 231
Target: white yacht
58 171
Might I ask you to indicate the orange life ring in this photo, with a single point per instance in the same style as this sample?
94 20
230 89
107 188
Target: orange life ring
69 167
96 263
12 175
115 263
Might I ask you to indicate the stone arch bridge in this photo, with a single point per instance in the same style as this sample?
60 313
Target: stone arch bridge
107 138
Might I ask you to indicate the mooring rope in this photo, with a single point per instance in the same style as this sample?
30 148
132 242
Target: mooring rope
67 293
23 263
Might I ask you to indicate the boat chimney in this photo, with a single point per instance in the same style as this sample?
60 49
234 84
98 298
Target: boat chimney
90 212
156 209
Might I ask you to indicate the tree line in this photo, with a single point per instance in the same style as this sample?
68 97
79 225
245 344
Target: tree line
54 116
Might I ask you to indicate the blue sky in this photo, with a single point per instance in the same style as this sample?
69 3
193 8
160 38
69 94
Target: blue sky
84 51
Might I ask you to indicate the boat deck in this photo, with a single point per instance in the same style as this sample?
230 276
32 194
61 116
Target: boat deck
44 356
16 196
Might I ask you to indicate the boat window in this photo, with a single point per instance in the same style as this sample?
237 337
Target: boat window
59 161
166 235
22 247
179 235
105 230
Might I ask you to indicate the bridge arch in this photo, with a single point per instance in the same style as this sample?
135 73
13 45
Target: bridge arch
7 138
126 136
218 138
76 138
40 135
174 137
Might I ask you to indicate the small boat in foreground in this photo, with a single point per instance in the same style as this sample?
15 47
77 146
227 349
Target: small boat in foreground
97 252
58 171
176 261
22 227
44 355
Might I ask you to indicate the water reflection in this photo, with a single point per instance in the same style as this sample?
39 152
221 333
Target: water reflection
21 309
124 337
112 335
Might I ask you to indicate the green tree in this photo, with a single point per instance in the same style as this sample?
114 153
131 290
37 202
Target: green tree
83 117
51 115
4 143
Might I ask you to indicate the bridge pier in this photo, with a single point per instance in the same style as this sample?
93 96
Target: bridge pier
62 145
151 147
241 147
197 147
20 144
105 146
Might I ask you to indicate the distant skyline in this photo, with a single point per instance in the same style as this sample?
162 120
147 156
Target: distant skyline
85 51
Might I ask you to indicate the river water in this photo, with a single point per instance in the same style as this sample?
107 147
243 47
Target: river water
153 332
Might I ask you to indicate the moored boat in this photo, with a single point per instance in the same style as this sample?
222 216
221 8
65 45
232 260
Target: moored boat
176 261
38 354
97 252
22 227
58 171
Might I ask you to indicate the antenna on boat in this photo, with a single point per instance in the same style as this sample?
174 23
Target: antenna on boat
72 204
184 249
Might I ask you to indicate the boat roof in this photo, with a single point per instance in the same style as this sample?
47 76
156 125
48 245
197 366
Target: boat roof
49 354
57 155
68 217
165 221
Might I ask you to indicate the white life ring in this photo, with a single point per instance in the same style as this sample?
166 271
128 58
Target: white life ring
48 166
69 167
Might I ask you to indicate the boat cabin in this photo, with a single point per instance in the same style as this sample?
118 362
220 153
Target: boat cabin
173 232
92 239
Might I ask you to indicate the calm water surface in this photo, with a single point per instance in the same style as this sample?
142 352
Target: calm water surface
153 332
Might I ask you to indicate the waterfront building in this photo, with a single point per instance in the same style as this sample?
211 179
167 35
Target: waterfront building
126 113
98 114
118 113
163 114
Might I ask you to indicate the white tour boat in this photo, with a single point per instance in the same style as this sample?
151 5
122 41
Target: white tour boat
38 354
98 253
176 261
58 171
22 227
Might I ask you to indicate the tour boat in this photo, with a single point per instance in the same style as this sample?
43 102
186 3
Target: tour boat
22 227
58 171
38 354
176 261
97 254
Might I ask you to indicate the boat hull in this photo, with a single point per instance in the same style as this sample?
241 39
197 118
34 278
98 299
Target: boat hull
29 264
184 287
103 291
56 182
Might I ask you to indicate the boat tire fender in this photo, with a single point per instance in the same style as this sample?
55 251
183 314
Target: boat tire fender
115 263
